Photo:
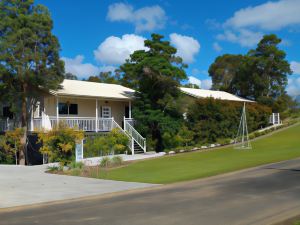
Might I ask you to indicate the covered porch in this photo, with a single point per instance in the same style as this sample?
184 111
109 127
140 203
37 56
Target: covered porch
87 114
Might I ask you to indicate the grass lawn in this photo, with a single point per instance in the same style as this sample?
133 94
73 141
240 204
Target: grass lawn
188 166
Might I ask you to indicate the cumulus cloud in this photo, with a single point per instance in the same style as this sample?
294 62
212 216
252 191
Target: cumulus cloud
148 18
78 68
187 47
244 37
203 84
295 66
194 80
217 47
247 25
267 16
206 84
114 50
293 87
107 68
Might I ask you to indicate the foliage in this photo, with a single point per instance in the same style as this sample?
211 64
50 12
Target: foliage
11 144
279 146
260 75
112 143
117 160
29 57
212 119
59 143
105 162
223 70
106 77
159 69
54 168
190 85
76 165
70 76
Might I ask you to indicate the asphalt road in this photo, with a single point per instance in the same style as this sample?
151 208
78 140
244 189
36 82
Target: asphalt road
263 195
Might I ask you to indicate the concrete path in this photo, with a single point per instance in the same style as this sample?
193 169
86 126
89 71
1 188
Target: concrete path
259 196
20 185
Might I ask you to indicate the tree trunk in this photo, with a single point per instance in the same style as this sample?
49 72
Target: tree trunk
22 150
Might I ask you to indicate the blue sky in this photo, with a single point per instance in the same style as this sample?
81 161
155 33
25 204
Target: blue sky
97 35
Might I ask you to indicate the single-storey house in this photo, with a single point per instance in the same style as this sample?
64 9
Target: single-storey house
88 106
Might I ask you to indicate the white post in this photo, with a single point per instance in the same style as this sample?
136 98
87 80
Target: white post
130 109
57 111
132 146
31 119
96 115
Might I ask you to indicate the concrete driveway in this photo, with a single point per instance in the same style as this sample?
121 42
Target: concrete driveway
22 185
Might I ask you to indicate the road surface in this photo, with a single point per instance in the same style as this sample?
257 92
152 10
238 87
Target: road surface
262 195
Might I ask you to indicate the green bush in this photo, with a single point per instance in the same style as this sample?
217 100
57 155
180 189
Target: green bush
76 165
105 162
114 143
117 160
59 143
212 119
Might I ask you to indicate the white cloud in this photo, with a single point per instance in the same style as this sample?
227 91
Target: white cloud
206 84
194 80
247 25
187 47
295 66
77 67
217 47
107 68
203 84
114 50
148 18
267 16
293 87
244 37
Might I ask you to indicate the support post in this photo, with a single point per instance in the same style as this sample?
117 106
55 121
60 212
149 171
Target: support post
96 115
132 146
57 111
130 109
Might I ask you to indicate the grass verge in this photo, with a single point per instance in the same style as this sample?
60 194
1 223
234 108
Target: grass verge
276 147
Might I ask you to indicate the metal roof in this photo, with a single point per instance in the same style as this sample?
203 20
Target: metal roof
222 95
92 89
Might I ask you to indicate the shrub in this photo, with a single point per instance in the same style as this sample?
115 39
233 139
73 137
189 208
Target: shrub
105 162
76 165
212 119
114 143
117 160
59 143
54 168
10 145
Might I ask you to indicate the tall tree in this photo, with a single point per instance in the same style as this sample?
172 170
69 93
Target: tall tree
155 74
71 76
29 57
260 75
223 70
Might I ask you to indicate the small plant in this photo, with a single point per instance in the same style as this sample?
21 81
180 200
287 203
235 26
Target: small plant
76 165
105 162
54 168
117 160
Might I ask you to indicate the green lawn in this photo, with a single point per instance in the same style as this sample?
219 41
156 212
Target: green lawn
188 166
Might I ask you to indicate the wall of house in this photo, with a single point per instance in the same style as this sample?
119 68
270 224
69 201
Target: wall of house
87 107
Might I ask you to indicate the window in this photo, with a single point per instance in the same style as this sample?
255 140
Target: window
106 112
73 109
67 109
7 113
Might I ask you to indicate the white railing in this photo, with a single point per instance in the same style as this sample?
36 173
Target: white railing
130 141
80 123
139 139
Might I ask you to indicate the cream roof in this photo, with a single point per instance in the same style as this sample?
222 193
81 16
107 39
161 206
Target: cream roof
92 89
222 95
